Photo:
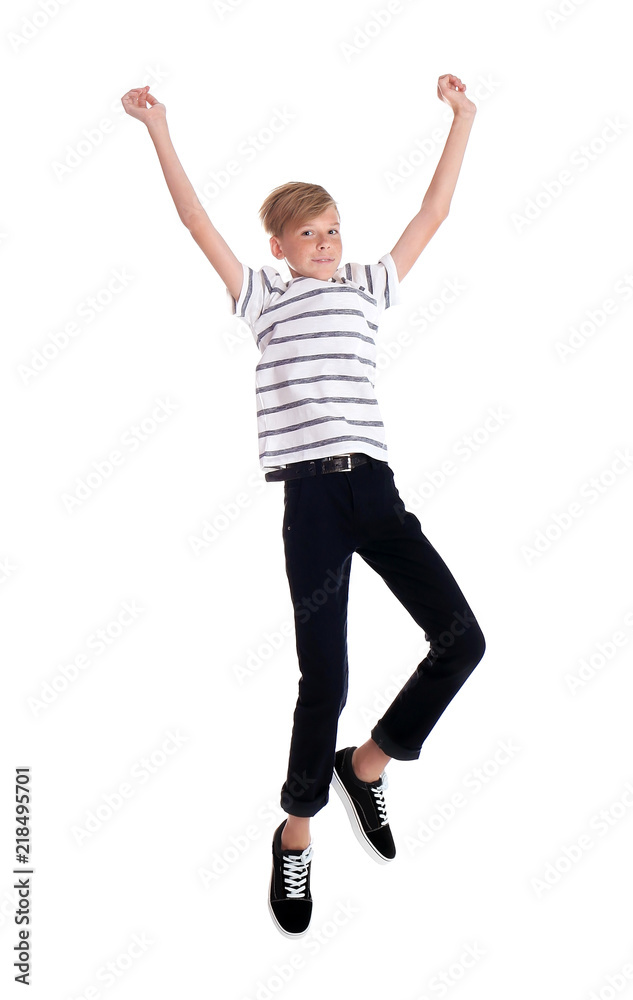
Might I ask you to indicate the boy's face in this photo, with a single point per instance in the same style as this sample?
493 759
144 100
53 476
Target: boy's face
312 247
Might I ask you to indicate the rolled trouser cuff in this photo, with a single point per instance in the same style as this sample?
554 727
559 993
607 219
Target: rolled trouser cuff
295 807
390 747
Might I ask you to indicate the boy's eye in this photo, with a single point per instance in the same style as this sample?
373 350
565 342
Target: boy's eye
305 231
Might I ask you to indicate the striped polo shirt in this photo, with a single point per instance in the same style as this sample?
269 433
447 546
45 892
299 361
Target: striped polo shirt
315 377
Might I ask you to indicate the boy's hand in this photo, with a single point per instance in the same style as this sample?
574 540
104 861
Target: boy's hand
134 103
451 89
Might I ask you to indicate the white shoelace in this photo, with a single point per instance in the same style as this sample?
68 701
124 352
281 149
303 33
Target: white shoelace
296 872
378 791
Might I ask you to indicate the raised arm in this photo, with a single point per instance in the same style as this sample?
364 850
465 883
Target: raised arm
437 200
189 209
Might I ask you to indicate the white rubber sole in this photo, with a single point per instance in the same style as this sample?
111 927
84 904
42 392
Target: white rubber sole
359 833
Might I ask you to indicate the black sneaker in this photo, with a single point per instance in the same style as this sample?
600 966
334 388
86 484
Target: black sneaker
365 805
289 899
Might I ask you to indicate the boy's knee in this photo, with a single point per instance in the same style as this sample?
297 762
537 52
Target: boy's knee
477 645
454 653
329 696
471 647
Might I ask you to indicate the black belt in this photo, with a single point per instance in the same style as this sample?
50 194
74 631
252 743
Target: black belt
317 466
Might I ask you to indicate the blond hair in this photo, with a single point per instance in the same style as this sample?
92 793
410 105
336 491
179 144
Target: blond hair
293 201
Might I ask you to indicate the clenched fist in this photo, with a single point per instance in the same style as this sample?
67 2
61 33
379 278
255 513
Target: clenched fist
134 103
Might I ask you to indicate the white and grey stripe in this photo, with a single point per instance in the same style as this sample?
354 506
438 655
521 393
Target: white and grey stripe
316 339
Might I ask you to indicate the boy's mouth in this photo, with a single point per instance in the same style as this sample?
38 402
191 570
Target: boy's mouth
322 260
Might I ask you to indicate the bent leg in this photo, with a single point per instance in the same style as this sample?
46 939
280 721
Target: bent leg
416 574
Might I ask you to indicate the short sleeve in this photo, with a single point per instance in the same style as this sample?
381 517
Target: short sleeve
391 289
380 280
257 291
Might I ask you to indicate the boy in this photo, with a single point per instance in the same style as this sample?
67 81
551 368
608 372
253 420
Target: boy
320 432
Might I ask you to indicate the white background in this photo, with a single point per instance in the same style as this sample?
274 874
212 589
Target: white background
85 198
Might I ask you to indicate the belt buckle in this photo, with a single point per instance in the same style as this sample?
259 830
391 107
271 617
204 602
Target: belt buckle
340 458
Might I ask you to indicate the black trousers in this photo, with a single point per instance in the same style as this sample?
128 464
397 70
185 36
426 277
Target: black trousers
326 519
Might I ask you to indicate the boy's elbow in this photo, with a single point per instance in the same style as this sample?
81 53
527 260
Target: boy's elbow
193 216
188 219
437 210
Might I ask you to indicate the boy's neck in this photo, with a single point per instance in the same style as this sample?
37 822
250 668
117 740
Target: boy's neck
295 274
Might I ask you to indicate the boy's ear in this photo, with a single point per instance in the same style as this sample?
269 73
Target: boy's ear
275 248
